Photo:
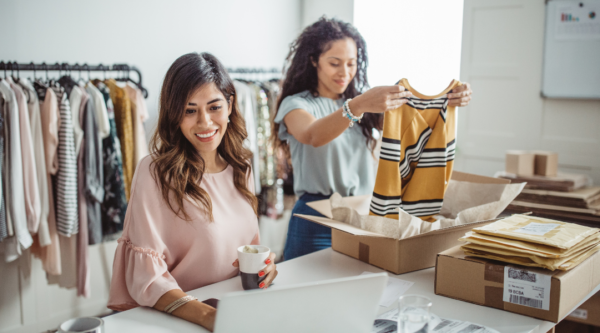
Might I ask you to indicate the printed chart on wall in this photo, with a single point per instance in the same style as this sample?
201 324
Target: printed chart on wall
572 49
578 21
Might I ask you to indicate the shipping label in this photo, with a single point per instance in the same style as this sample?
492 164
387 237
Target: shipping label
579 313
526 287
538 229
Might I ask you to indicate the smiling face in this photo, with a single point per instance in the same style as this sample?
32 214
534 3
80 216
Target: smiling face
205 120
336 68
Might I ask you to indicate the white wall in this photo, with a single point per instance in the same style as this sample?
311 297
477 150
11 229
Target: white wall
149 35
312 10
502 56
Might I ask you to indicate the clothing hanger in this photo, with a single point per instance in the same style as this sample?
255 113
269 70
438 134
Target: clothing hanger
39 86
3 66
66 81
17 80
80 80
124 71
33 69
12 70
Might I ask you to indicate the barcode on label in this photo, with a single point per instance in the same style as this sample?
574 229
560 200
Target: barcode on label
443 324
522 275
579 313
534 303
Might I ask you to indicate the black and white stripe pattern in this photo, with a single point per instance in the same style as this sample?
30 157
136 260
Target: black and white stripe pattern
383 205
66 177
413 153
443 109
425 104
390 150
437 157
423 207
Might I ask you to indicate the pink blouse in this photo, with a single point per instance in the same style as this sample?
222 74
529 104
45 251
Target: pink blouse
159 251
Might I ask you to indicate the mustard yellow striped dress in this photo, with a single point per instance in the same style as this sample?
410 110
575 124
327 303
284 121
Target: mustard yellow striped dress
417 155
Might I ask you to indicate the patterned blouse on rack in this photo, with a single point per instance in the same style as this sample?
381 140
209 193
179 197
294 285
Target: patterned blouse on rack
66 177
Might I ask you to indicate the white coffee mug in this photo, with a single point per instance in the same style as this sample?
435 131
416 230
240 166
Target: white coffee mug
251 264
82 325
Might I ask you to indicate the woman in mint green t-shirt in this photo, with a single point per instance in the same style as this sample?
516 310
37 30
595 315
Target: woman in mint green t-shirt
326 118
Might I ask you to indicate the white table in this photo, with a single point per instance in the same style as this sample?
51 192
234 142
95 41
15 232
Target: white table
323 265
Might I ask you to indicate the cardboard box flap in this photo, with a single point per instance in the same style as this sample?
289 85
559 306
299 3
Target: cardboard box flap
340 226
471 178
361 203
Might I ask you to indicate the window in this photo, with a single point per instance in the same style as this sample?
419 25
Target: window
417 40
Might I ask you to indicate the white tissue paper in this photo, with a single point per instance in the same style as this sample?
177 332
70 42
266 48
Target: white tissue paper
464 202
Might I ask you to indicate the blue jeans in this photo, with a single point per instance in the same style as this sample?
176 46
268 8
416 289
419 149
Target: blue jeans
304 236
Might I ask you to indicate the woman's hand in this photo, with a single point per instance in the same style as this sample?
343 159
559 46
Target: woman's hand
270 271
460 96
209 319
379 99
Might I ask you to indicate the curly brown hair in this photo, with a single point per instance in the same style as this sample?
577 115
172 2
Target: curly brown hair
300 74
178 166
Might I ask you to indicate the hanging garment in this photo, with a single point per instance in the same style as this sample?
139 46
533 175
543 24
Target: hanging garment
124 121
3 226
50 254
115 203
13 184
417 154
246 99
139 114
75 101
32 193
66 176
6 111
267 162
82 254
94 175
99 110
68 261
33 106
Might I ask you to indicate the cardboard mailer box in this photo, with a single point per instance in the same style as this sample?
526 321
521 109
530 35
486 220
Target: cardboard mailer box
588 312
397 256
482 281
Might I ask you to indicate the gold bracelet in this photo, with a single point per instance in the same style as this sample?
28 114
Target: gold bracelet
178 303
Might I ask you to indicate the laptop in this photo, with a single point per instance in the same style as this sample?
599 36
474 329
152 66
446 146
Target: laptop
339 305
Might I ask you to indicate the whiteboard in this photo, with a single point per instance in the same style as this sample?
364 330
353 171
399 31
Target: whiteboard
572 50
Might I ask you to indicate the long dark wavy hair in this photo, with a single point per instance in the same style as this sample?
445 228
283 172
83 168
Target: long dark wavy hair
178 166
300 74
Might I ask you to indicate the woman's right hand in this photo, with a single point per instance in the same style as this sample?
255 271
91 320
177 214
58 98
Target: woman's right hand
379 99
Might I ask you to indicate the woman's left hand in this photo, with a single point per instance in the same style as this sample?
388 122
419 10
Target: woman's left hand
460 96
270 271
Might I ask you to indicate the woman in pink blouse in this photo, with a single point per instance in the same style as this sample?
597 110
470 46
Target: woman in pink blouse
192 202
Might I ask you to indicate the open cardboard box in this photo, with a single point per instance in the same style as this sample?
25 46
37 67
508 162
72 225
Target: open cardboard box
481 281
397 256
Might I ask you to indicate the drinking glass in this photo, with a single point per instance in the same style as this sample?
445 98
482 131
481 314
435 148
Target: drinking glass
413 314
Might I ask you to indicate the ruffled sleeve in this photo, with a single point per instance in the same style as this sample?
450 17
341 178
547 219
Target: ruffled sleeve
140 271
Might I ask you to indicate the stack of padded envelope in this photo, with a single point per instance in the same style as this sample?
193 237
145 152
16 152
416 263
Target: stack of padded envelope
533 241
581 206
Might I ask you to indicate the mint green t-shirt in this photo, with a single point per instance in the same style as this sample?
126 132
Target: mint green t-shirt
344 165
